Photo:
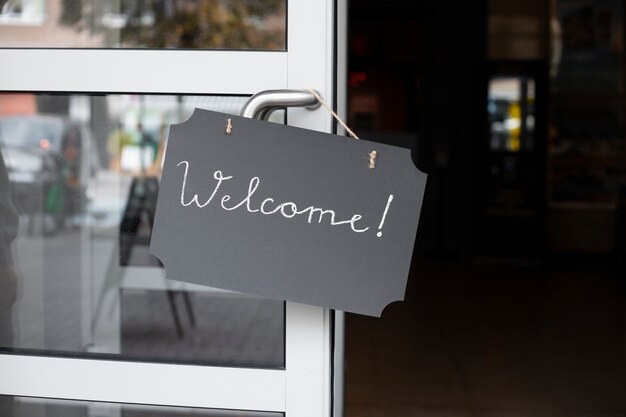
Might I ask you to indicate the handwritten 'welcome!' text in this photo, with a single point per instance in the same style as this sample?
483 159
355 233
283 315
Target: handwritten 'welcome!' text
269 206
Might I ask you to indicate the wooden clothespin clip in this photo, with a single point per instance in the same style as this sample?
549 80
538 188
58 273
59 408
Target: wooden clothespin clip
373 156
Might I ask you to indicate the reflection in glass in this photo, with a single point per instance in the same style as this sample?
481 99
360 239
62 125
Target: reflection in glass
22 12
179 24
36 407
79 179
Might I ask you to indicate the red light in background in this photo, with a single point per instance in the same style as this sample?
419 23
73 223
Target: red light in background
357 77
44 144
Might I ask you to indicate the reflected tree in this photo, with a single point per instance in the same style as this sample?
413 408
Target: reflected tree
71 13
186 24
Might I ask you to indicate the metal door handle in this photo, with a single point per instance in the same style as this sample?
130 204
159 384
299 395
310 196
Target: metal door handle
262 105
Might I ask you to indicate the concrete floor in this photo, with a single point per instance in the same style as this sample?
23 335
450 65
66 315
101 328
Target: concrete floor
493 341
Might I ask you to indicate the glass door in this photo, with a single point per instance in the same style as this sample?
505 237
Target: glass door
89 323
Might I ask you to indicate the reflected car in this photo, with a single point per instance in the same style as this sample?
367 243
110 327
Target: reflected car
45 157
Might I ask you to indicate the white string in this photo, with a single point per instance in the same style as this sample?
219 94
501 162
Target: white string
323 103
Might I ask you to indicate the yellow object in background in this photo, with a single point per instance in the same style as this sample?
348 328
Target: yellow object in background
514 123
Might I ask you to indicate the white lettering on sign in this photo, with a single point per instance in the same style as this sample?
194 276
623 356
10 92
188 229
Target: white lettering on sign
269 206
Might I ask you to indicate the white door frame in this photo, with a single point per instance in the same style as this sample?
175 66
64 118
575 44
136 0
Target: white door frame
303 389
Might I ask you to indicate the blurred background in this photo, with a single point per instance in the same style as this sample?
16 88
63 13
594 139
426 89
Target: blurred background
516 110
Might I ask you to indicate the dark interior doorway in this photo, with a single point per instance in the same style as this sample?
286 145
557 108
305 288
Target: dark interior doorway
515 304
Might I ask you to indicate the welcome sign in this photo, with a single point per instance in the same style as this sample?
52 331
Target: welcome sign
287 213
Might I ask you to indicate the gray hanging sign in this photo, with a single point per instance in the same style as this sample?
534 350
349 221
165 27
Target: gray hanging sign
287 213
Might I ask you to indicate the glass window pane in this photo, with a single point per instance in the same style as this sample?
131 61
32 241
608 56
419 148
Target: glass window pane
79 182
40 407
178 24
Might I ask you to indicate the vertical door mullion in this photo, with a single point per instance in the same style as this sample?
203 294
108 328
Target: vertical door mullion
310 65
